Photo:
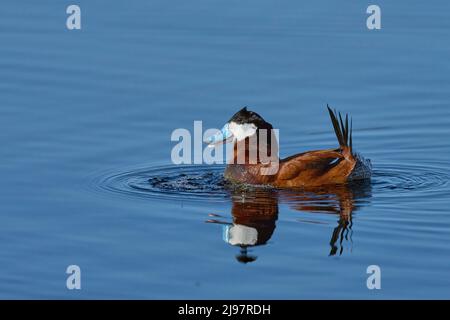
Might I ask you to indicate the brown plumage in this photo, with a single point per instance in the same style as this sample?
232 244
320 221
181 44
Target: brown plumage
307 169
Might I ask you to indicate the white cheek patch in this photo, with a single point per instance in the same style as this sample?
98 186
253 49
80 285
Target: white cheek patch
242 131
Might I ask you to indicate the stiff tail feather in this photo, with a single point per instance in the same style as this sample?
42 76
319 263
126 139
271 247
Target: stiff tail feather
342 129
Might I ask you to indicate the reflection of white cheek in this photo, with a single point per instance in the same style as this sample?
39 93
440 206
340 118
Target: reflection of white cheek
238 234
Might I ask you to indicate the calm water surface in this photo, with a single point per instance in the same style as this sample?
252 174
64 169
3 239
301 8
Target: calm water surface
86 118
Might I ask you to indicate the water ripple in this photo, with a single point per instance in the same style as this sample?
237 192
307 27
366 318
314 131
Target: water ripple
203 182
410 180
197 182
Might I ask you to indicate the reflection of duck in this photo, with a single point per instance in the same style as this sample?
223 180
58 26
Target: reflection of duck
254 215
342 200
255 159
255 212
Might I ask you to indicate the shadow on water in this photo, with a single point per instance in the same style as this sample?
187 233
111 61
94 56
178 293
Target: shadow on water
255 212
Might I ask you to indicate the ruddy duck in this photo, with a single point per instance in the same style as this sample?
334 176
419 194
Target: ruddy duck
308 169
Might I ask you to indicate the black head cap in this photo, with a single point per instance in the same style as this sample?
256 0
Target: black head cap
246 116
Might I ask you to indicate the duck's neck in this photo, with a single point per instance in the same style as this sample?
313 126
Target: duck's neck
247 153
253 163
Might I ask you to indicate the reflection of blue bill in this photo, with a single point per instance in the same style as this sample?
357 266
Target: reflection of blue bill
225 230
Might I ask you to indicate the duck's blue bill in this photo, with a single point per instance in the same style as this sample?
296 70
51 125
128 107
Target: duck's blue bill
221 136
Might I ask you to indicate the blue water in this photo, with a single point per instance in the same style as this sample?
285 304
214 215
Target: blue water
86 176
